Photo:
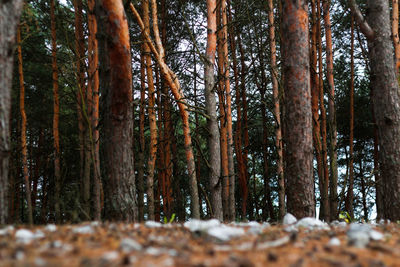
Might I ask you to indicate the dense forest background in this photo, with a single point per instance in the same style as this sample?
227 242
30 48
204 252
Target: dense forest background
253 106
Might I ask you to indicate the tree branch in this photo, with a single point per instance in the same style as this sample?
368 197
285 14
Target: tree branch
362 23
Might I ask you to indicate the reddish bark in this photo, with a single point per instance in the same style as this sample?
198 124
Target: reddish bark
222 117
277 111
116 83
24 150
395 33
56 110
298 153
176 90
152 117
93 84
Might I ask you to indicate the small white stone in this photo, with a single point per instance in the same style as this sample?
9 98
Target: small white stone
110 256
289 219
153 224
51 228
39 234
40 262
24 236
154 251
312 223
334 242
85 229
375 235
225 233
19 255
128 245
6 230
198 225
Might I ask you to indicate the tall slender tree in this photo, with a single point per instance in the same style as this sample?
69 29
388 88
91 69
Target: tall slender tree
331 212
277 109
350 194
152 115
385 99
298 150
93 84
56 114
212 123
116 85
174 84
24 148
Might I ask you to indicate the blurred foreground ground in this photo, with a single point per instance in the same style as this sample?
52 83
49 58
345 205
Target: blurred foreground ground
201 244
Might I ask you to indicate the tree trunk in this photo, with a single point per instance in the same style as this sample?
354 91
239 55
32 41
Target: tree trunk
350 195
152 118
237 139
331 209
324 182
176 90
298 153
244 131
386 104
231 165
223 122
277 111
84 108
116 86
214 148
140 180
395 33
93 84
315 96
385 99
56 136
24 149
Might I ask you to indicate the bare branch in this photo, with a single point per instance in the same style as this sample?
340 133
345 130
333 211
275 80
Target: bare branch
363 24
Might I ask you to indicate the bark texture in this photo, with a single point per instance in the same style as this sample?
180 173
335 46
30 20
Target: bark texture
116 88
277 111
386 101
298 141
56 115
24 149
9 17
212 122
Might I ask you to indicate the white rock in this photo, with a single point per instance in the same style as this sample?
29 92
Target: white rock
225 233
39 234
51 228
289 219
334 242
198 225
312 224
85 229
6 230
375 235
339 224
40 262
24 236
110 256
95 223
153 224
359 235
128 245
19 255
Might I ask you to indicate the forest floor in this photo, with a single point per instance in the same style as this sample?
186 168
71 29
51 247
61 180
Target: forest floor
201 243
